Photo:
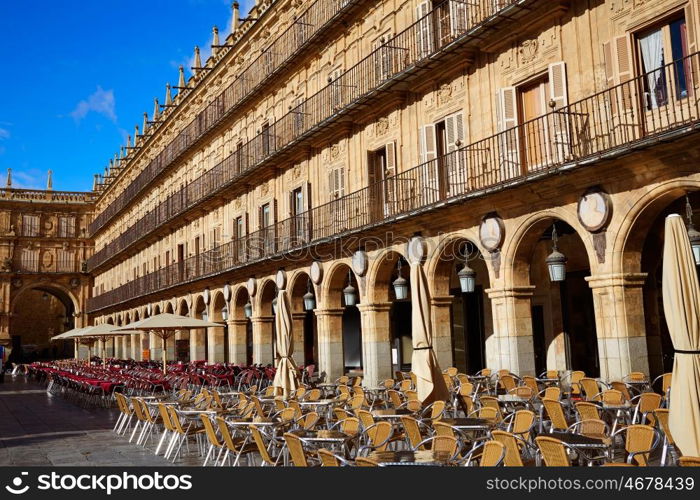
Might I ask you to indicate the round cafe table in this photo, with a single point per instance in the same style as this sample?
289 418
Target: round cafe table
417 458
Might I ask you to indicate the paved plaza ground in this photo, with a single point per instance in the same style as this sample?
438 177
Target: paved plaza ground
38 429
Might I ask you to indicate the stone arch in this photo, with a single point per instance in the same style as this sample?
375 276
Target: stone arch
168 308
335 279
380 273
263 298
240 297
555 323
637 260
462 322
241 334
305 327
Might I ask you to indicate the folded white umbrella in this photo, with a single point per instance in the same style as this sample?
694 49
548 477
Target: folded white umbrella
102 332
67 335
165 325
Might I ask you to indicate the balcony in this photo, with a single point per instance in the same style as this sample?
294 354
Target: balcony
441 31
315 20
604 125
42 196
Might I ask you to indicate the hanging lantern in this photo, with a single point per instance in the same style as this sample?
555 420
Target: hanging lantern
224 313
309 299
248 310
556 261
467 279
349 292
400 286
205 316
693 234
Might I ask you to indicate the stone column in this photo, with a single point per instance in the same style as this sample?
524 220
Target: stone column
511 347
155 345
197 352
330 342
237 341
262 339
619 313
298 334
442 329
215 344
376 343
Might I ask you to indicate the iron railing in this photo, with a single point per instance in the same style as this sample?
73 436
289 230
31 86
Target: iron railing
278 55
440 28
46 196
607 123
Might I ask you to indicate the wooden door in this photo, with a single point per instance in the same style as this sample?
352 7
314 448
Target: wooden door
533 100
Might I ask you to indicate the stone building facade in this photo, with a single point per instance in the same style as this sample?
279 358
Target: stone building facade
44 284
321 137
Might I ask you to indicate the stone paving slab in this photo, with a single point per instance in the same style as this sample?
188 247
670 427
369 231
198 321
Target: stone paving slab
37 428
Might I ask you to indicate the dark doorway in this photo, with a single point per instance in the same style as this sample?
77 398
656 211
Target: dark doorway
352 339
402 334
580 323
249 343
226 344
538 342
309 338
474 330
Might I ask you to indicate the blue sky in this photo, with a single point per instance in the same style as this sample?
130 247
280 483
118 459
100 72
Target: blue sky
80 73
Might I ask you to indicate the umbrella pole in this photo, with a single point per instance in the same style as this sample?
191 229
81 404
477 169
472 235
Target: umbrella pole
165 362
104 351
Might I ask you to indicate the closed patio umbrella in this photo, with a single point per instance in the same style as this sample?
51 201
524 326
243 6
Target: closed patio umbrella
681 296
429 382
165 325
286 373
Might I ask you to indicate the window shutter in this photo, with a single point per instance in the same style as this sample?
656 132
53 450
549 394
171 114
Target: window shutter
424 29
509 144
454 162
427 143
559 121
390 159
692 76
618 69
458 18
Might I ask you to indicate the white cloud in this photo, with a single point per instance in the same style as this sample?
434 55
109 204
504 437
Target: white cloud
29 179
101 102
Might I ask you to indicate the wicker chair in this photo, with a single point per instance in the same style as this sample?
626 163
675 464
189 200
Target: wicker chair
552 392
521 424
308 421
259 440
235 446
214 443
591 388
412 431
444 444
366 462
492 402
489 453
647 402
689 461
555 412
514 448
296 451
376 438
553 451
330 459
640 442
669 445
587 411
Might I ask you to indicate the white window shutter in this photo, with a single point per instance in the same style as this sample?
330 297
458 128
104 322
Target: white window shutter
427 142
454 163
458 17
559 120
424 29
509 143
390 159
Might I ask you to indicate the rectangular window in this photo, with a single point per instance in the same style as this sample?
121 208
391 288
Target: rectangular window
29 260
265 219
30 225
65 261
66 227
655 49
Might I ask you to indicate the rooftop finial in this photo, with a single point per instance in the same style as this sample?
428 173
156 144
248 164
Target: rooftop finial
156 110
94 182
215 40
9 177
197 58
168 95
145 122
181 82
236 21
49 181
136 135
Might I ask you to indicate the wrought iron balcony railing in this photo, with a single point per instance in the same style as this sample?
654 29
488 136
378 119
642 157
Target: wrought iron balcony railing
45 196
441 28
607 123
315 20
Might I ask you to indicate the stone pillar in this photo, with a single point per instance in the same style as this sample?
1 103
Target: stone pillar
170 349
442 329
331 358
237 329
215 344
262 339
155 345
376 343
197 352
619 314
298 334
511 347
